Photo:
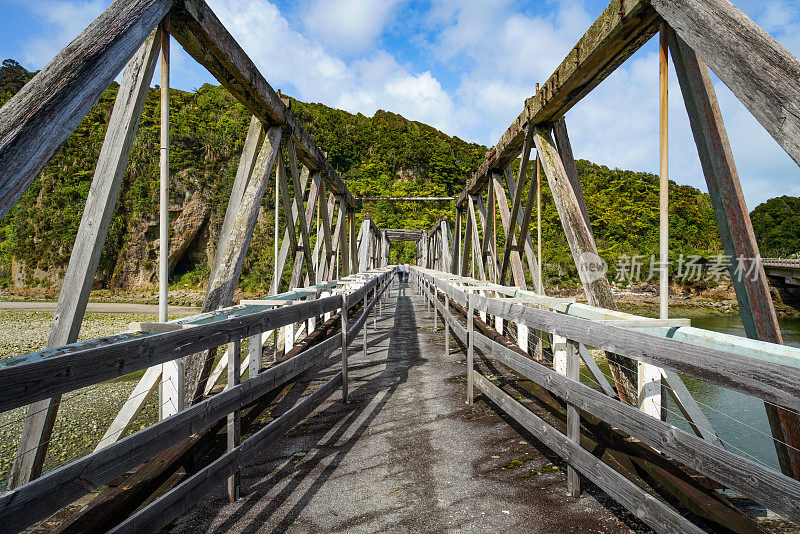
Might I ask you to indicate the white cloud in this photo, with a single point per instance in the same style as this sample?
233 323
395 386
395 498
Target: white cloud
348 26
291 60
62 21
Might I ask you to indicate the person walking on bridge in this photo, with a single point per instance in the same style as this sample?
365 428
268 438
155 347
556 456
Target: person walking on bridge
406 272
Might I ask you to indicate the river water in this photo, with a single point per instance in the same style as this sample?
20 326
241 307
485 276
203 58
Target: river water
739 420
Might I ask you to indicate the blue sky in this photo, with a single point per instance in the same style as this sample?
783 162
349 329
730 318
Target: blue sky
463 66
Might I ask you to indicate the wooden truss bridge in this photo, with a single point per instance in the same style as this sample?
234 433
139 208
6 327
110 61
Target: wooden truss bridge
237 381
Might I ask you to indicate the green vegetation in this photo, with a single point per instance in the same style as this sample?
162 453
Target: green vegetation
383 155
776 223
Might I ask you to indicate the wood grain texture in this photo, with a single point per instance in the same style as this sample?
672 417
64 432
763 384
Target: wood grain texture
195 489
36 121
736 229
195 26
92 232
767 380
778 492
622 28
36 500
27 378
656 514
760 71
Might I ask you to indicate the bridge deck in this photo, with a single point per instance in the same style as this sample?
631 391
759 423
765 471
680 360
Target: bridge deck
406 454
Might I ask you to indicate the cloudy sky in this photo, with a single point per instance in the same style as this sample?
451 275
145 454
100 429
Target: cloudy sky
463 66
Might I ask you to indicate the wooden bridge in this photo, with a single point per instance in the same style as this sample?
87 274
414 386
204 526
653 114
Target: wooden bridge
583 384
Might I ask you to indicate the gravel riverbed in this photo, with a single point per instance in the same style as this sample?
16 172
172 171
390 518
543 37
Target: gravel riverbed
84 414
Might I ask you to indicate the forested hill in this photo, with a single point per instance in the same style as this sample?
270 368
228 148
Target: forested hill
382 155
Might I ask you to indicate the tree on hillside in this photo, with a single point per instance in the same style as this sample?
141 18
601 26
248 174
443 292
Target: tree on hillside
776 223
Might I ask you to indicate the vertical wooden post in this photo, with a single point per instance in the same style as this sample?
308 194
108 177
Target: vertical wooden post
97 213
434 298
344 348
446 318
365 325
649 390
663 196
375 310
254 362
234 418
559 354
573 417
470 347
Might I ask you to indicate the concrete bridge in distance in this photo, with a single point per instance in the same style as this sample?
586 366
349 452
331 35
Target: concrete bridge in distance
783 270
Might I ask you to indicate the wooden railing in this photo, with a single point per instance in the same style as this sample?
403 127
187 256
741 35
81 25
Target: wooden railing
25 379
768 380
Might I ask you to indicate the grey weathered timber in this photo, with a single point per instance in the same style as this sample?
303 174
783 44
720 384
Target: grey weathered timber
755 67
582 245
27 504
234 423
774 382
656 514
364 245
287 246
351 218
466 253
195 26
753 479
473 227
196 488
300 255
36 376
221 288
337 240
736 229
36 121
75 479
568 159
303 219
573 416
92 232
505 217
488 247
243 173
622 28
516 199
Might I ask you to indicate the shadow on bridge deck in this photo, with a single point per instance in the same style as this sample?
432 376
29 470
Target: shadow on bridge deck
406 454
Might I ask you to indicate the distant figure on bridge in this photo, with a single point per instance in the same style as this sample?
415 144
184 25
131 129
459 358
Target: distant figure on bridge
406 272
399 272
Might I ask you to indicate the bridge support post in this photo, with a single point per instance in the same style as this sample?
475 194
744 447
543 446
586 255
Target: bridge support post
92 232
344 348
470 347
573 417
234 418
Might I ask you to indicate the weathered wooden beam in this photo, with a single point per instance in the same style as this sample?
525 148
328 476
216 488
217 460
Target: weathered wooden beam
488 249
584 250
736 229
287 245
473 227
516 199
36 121
92 232
622 28
760 71
303 219
222 288
505 218
568 159
202 35
243 173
